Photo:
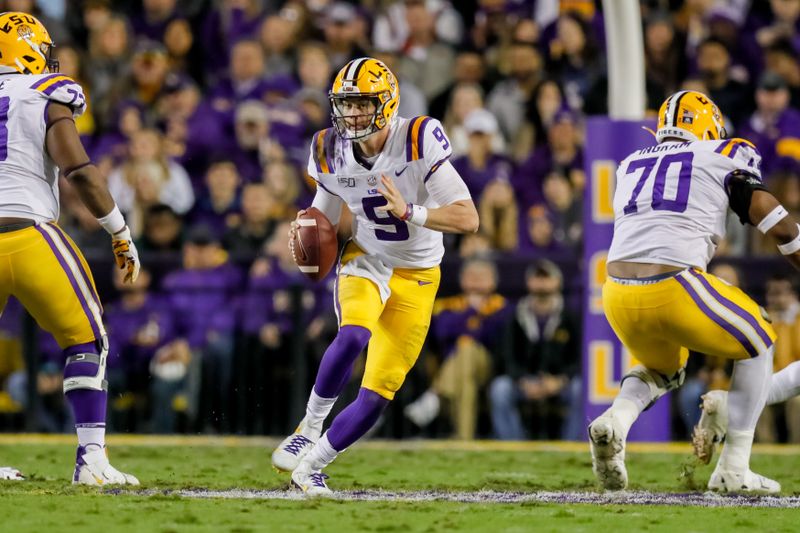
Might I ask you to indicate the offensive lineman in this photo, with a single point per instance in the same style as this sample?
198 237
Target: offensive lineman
394 175
670 208
39 263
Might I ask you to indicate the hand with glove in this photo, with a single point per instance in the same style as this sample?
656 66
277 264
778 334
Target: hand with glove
125 254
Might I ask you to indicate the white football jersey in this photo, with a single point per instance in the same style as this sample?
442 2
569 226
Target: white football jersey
414 150
670 204
28 177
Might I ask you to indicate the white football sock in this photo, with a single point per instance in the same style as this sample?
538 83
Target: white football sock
91 435
784 384
317 410
321 455
746 398
634 395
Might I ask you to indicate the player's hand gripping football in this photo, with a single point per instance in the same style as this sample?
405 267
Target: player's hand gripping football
395 203
293 232
125 254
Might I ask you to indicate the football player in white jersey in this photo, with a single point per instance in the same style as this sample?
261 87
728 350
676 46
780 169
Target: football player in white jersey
670 207
394 176
39 263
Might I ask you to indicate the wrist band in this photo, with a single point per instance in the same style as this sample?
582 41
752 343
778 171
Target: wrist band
113 222
409 211
419 214
772 218
792 246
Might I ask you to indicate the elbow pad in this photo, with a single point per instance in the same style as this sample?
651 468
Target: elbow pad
739 186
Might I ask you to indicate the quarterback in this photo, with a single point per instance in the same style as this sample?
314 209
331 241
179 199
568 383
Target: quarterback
670 208
39 263
394 175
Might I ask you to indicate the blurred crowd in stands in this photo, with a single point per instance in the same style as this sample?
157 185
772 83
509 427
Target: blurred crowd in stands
200 115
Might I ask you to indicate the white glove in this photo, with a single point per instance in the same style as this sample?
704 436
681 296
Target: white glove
125 254
6 472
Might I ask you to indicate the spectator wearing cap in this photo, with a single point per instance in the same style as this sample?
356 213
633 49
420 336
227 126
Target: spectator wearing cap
540 375
267 321
252 130
774 127
732 96
201 296
149 68
151 23
538 232
562 153
425 60
509 98
340 30
193 129
218 205
223 26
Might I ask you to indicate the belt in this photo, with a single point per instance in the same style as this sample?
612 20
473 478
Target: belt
646 281
7 228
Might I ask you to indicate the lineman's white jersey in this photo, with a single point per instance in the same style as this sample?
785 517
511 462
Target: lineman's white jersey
28 177
670 205
415 157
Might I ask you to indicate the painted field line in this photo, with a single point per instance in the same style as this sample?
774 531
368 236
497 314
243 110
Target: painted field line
693 499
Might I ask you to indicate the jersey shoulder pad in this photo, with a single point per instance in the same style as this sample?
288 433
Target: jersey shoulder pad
426 139
62 89
322 153
742 153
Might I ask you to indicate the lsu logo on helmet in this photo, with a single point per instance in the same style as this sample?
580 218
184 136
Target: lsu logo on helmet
25 45
691 116
364 98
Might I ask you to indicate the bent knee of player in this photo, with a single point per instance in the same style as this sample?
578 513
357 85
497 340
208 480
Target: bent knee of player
386 384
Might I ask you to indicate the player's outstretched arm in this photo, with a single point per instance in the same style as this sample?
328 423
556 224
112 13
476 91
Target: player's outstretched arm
455 215
65 148
768 215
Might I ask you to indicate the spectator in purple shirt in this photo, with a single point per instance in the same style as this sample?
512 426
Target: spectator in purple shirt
154 18
246 80
218 205
200 297
774 127
224 26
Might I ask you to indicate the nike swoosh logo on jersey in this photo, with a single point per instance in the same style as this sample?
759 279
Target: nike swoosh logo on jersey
396 173
421 283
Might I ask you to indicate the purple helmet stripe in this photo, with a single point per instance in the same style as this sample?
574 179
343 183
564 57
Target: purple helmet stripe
733 307
74 282
738 335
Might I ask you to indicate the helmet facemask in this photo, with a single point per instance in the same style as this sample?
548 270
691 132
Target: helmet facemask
357 116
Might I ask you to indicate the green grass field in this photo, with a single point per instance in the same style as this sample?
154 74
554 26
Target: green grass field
47 502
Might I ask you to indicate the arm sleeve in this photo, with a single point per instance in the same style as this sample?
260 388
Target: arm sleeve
64 90
329 204
446 186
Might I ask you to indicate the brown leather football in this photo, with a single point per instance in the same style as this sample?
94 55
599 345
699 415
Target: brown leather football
315 247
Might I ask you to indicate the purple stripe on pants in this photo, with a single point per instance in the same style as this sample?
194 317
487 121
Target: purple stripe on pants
738 335
86 277
73 282
734 308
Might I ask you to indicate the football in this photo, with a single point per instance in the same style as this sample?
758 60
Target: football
314 247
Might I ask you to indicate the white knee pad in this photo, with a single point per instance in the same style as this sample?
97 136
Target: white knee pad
658 384
81 379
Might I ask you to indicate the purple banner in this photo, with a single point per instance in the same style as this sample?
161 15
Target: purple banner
605 361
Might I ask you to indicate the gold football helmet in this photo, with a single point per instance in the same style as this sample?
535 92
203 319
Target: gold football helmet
25 45
691 116
364 98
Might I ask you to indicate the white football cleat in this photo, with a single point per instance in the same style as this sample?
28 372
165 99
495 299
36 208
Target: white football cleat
12 474
608 453
749 482
424 409
93 468
713 425
311 482
291 450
